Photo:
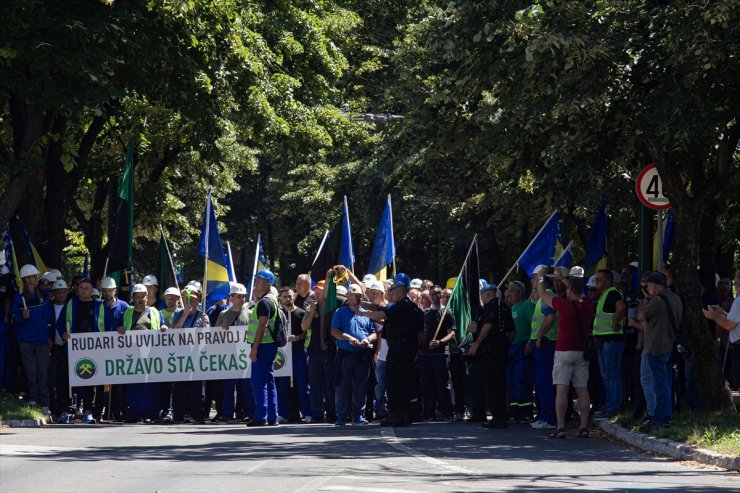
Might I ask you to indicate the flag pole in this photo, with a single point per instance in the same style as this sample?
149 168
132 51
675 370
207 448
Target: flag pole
444 311
393 237
204 295
349 234
530 244
570 244
172 264
254 267
231 260
326 233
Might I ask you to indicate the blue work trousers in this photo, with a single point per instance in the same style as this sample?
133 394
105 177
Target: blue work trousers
244 401
434 392
610 367
520 375
544 359
263 383
321 380
353 371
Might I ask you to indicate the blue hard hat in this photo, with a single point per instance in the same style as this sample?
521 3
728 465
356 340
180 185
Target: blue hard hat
267 275
401 279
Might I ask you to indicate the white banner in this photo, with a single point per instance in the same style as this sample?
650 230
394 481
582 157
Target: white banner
141 356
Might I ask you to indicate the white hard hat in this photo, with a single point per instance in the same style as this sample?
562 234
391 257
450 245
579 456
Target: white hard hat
378 286
95 293
195 285
416 283
591 282
108 283
538 269
368 279
49 276
171 291
59 284
29 270
150 280
138 288
355 289
341 291
237 288
577 271
57 273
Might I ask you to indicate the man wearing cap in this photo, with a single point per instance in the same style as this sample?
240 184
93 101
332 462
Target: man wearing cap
403 328
490 345
80 315
520 370
237 314
543 338
608 334
171 300
661 316
260 328
152 289
439 331
187 396
355 335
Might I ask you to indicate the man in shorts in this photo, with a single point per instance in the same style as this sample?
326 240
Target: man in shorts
575 315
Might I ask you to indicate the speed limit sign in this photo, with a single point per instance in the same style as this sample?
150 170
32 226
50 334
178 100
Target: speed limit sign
650 189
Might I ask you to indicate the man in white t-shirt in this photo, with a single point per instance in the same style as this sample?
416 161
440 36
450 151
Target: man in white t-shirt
731 322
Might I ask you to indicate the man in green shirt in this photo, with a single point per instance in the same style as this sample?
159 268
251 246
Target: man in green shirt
520 371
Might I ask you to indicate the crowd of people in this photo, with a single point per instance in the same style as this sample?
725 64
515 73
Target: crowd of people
564 347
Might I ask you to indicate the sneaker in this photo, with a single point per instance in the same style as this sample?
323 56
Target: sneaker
281 420
459 417
542 425
360 421
307 419
167 419
339 422
254 423
272 423
64 418
646 424
88 419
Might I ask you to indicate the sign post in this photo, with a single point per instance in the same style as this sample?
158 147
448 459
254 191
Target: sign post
649 188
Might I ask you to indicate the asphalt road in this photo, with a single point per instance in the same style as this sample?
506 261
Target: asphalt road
302 458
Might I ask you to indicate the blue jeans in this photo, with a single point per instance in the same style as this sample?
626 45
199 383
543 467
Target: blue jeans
352 373
434 378
520 376
300 381
662 379
381 403
610 366
544 359
321 380
263 383
243 387
646 379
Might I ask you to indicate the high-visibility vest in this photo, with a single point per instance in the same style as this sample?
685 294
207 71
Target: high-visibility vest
254 322
68 316
604 321
538 319
167 316
128 317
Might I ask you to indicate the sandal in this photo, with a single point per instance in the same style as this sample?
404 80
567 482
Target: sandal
583 433
559 433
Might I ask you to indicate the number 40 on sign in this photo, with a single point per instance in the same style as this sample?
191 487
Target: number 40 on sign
650 189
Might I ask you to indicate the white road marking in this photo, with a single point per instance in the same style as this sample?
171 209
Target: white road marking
389 437
354 488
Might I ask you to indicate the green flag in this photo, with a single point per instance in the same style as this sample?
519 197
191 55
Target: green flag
464 302
121 237
165 269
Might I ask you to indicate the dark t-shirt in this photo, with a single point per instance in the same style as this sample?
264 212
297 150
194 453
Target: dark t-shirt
300 301
6 291
296 317
496 313
404 320
431 321
573 330
84 316
265 308
610 303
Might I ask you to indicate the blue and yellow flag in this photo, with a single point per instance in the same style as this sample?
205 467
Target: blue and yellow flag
384 249
596 249
668 228
11 263
32 252
216 276
260 263
565 259
541 250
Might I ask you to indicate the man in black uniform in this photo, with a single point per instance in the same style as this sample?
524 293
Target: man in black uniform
491 333
403 328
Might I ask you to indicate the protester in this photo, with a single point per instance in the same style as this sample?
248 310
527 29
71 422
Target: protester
376 295
59 367
439 331
520 369
542 342
293 400
730 321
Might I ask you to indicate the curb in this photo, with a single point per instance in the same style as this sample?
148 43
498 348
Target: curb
663 446
24 423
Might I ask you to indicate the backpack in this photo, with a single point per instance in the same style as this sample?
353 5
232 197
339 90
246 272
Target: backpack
681 343
280 333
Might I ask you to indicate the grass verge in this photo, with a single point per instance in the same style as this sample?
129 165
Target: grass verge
718 432
13 408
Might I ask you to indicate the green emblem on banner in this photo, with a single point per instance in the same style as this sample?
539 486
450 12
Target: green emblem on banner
85 368
279 360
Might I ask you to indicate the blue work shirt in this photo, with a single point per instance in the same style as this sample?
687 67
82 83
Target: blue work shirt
195 320
358 326
114 315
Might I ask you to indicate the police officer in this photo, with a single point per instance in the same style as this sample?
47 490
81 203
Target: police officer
259 335
402 330
141 399
83 314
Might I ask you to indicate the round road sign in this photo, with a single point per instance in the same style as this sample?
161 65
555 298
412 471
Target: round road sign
650 189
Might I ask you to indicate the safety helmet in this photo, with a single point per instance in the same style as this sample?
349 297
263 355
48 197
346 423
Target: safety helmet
577 271
59 284
171 291
108 283
49 276
150 280
138 288
195 285
450 284
29 270
416 283
537 270
267 275
237 288
57 273
341 291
